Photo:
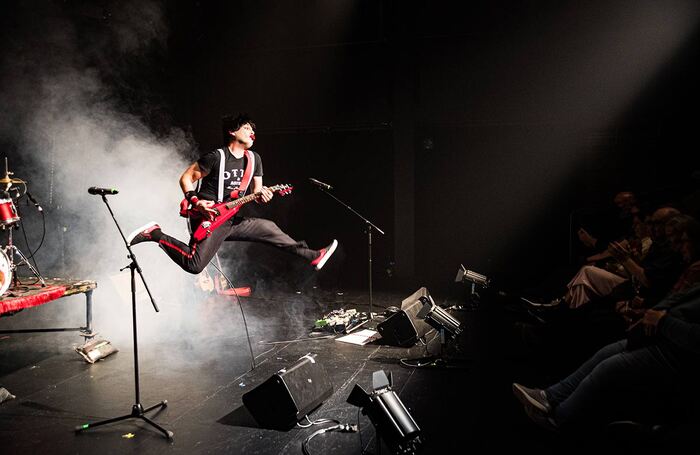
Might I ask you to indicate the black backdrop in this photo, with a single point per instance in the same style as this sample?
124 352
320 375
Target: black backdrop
470 133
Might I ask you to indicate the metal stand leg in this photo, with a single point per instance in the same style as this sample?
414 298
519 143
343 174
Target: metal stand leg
86 331
25 261
137 410
10 251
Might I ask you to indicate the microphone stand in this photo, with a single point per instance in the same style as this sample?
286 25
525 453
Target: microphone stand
369 225
137 410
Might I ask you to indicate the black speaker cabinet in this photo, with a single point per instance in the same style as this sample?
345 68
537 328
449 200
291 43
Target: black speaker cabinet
404 328
290 394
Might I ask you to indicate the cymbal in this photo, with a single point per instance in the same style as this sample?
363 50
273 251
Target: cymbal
9 180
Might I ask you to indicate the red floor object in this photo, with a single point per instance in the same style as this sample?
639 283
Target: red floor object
241 292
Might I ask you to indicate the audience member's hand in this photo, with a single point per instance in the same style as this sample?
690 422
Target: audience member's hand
586 238
630 314
637 302
598 257
620 251
622 306
651 319
614 267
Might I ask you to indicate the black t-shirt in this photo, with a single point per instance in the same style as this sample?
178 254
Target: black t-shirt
233 173
662 267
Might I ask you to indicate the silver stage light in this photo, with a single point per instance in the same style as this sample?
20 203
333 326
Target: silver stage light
438 318
390 418
475 279
468 275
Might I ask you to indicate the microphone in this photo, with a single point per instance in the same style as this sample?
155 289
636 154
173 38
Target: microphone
325 186
36 204
102 191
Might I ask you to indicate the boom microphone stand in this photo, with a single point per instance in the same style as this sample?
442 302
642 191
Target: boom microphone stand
137 410
369 226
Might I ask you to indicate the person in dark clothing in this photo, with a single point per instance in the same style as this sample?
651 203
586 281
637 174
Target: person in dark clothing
588 315
615 228
223 175
652 276
658 364
683 232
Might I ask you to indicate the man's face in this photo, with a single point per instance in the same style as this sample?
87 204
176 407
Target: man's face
245 134
625 203
674 237
658 227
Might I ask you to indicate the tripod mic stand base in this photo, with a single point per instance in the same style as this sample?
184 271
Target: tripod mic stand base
137 411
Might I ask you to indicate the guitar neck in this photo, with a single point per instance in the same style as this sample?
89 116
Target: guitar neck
246 199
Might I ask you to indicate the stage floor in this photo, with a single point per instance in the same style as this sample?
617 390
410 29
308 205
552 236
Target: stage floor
205 369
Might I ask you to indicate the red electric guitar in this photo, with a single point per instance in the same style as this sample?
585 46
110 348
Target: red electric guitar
224 211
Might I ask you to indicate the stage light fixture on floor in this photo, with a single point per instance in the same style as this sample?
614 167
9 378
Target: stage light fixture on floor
476 279
473 277
390 418
448 328
439 319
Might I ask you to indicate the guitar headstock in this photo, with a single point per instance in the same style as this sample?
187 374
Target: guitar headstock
283 189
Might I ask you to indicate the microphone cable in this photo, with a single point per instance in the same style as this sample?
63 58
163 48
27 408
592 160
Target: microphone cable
26 240
41 242
245 323
343 428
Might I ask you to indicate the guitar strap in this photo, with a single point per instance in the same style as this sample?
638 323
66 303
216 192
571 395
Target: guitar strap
222 169
245 180
247 175
184 205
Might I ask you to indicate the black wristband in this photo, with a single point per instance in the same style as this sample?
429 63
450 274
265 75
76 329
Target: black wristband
190 194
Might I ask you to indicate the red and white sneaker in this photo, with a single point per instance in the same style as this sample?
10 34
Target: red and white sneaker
324 255
143 234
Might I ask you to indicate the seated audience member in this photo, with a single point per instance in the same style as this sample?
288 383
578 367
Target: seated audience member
638 246
653 275
622 227
683 233
658 366
587 317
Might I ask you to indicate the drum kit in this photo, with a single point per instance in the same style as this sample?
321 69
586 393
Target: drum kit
9 220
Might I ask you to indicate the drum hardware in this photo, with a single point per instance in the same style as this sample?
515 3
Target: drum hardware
9 185
8 213
9 219
5 273
9 181
10 251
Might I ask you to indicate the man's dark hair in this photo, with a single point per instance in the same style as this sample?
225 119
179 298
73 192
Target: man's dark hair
233 123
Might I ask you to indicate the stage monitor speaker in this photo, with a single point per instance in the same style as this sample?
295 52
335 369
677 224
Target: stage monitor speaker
404 328
289 395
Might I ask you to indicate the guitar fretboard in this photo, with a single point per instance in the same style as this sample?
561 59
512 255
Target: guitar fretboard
250 197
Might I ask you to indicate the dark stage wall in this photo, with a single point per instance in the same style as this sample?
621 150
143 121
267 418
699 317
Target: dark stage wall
504 118
469 131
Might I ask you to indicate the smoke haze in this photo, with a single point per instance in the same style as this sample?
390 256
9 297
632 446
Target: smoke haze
73 126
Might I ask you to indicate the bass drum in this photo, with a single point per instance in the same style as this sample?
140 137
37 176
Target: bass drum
5 273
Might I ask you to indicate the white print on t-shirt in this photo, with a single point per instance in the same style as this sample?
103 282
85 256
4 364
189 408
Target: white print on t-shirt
235 182
227 174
